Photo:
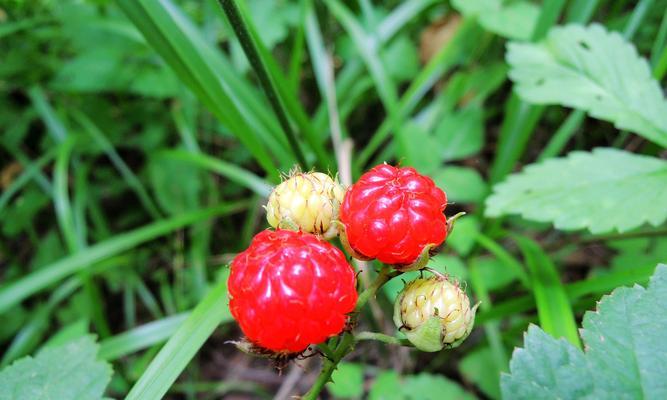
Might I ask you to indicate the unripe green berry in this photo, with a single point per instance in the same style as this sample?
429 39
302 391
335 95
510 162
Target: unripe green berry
434 313
306 201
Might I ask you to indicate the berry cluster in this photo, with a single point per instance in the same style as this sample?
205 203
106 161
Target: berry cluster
291 288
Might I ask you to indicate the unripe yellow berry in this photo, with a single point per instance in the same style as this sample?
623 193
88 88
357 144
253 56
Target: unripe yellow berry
306 201
434 313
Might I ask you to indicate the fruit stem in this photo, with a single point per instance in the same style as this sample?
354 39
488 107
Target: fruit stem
381 337
386 273
348 340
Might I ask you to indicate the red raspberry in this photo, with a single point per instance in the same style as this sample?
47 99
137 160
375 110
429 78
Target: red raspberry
290 289
392 213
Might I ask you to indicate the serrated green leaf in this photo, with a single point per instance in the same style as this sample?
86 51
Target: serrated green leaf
601 191
70 371
514 20
595 70
624 358
348 381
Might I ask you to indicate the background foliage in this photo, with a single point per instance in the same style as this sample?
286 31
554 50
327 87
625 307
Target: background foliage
139 143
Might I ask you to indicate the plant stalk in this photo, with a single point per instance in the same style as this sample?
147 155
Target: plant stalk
250 49
348 340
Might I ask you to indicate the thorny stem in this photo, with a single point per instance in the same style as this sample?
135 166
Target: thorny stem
347 341
252 53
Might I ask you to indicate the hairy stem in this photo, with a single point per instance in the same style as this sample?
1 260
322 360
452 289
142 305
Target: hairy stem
381 337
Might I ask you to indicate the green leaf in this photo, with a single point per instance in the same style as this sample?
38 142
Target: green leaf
478 367
348 381
389 386
177 185
461 134
464 235
553 308
601 191
515 20
624 358
594 70
141 337
461 184
418 149
433 387
70 371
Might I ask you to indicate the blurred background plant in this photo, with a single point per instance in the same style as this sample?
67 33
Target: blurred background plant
139 143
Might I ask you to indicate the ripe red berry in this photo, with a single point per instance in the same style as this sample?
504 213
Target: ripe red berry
290 289
392 213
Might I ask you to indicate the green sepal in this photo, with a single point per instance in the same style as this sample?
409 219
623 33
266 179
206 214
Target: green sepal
419 263
428 336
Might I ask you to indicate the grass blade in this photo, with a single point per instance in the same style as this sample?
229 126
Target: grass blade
130 178
368 49
182 346
13 293
553 307
228 170
141 337
592 286
205 72
249 46
31 171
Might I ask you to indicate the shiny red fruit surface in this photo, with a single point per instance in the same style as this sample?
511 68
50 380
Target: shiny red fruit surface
290 289
392 213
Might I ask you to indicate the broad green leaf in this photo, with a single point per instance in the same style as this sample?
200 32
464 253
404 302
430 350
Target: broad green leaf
177 185
387 386
401 59
461 134
595 70
493 272
347 381
426 386
418 149
601 191
464 185
478 367
67 372
390 386
514 20
464 235
624 357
